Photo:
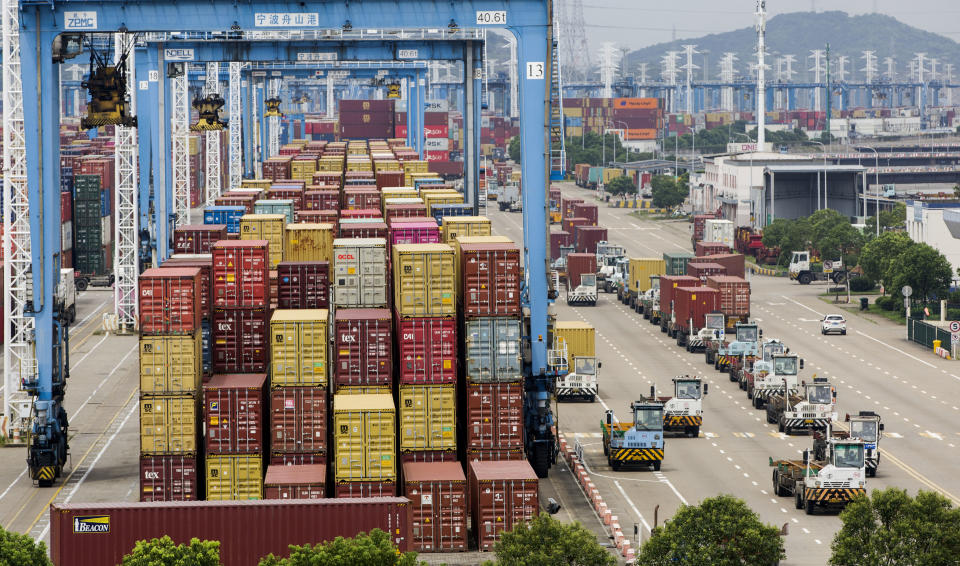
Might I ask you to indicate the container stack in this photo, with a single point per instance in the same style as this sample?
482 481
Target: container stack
203 261
92 243
170 378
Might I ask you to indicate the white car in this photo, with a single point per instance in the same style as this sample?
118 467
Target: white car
833 323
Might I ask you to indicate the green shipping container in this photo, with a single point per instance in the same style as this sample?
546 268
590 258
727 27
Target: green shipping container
676 263
275 206
86 187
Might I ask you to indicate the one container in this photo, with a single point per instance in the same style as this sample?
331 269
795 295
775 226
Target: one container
303 284
465 226
172 477
704 249
197 238
438 499
169 425
363 435
241 274
233 412
171 364
360 273
579 337
298 419
357 198
235 200
205 263
308 242
240 340
365 488
323 199
502 495
641 268
428 417
490 279
363 346
691 304
307 481
363 228
668 286
578 265
703 269
427 349
558 239
402 210
418 232
78 537
734 294
170 300
587 210
492 416
228 216
733 262
424 279
587 237
441 211
676 263
234 477
275 206
299 347
566 206
269 227
492 350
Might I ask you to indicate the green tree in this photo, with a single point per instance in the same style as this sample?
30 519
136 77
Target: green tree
164 552
721 531
879 253
621 186
890 527
789 235
923 268
374 549
21 549
893 219
513 150
544 541
668 193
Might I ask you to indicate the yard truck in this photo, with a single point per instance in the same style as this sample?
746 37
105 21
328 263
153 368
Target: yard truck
650 301
782 376
830 482
761 365
709 336
683 412
805 269
636 444
638 281
866 426
726 356
576 343
812 408
611 265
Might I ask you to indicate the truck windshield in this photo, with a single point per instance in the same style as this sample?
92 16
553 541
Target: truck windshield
864 430
649 419
819 395
585 366
655 282
848 455
785 366
688 390
747 334
772 349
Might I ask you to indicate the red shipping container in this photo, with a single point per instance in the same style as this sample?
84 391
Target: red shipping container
668 284
699 222
493 416
734 294
306 481
495 454
427 350
357 198
366 105
428 456
405 211
197 238
364 230
361 175
502 495
578 264
436 131
245 200
436 155
491 275
691 304
373 213
298 420
390 178
400 130
436 118
570 223
66 207
241 274
438 497
566 207
170 300
233 408
589 211
303 284
288 193
172 477
297 458
733 262
240 340
334 178
701 270
558 239
704 249
326 199
205 263
268 527
316 217
365 489
587 237
412 230
363 344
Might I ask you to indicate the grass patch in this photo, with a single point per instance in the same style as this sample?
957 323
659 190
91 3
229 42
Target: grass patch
894 315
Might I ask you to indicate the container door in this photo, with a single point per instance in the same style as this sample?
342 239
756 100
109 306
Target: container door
350 440
381 446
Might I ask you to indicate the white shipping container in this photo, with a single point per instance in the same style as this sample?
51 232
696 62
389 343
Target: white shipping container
66 236
359 277
720 231
436 144
107 230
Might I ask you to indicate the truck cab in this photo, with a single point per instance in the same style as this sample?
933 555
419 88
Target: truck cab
581 383
813 409
612 265
637 444
782 376
650 302
727 355
867 427
805 269
710 336
684 411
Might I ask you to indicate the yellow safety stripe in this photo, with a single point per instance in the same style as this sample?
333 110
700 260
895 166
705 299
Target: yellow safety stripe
637 454
46 473
681 420
833 494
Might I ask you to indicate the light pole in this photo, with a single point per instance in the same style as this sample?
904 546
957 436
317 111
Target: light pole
823 149
876 157
625 149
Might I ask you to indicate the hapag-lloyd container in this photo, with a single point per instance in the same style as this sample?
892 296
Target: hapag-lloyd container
197 238
234 477
303 284
299 347
424 279
363 346
668 285
426 349
364 437
170 300
205 263
241 274
492 350
298 419
360 273
240 340
419 232
490 279
492 416
169 424
233 413
502 495
173 477
438 499
427 417
734 294
305 481
308 242
266 527
691 304
170 364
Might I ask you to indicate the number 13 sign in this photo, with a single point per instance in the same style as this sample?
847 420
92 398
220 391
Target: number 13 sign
535 70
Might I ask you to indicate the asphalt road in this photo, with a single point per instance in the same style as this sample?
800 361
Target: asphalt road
873 367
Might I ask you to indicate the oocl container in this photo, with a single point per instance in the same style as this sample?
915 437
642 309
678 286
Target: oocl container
502 495
360 273
173 477
438 500
170 364
298 419
240 340
303 284
241 274
492 350
579 337
578 265
424 279
490 279
169 425
197 238
427 349
492 417
308 242
170 300
428 417
299 347
363 346
269 227
234 477
233 413
364 437
306 481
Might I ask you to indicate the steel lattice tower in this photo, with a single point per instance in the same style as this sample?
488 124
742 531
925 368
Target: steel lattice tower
574 49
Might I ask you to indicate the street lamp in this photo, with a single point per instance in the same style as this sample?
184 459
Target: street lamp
823 149
625 148
876 157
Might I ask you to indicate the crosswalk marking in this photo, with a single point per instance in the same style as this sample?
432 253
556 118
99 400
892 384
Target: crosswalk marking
928 434
743 434
893 434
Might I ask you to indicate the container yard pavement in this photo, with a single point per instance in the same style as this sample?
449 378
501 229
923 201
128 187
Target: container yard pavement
873 368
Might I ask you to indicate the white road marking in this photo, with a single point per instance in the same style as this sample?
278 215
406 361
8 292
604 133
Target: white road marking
898 350
626 497
803 305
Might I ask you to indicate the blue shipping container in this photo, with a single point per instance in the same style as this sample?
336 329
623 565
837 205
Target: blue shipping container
440 210
105 203
206 347
229 215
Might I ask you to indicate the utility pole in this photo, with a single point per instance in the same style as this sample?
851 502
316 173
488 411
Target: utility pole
761 84
827 126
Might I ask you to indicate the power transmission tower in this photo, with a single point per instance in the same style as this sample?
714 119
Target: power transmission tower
574 49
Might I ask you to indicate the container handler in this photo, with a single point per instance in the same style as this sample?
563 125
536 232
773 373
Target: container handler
637 444
811 409
866 426
683 412
831 482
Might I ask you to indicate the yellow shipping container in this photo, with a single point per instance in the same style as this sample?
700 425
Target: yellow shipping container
298 347
169 424
256 184
641 268
171 364
398 192
415 166
428 417
611 173
455 226
574 112
439 196
579 337
361 389
364 437
269 227
308 242
423 280
234 477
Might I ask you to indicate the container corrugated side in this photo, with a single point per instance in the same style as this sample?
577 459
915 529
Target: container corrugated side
169 425
580 338
465 226
173 477
491 278
641 268
363 346
492 416
240 340
359 276
364 437
438 500
424 279
428 417
305 481
427 349
170 300
298 350
269 227
170 364
298 419
234 413
492 350
234 477
502 495
308 242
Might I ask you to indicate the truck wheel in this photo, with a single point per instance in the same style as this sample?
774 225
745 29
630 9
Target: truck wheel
804 279
797 501
656 465
809 507
776 483
615 465
780 425
871 472
541 460
72 313
81 284
693 431
646 315
757 402
606 450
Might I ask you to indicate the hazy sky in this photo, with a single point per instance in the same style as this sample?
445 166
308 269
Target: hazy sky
638 23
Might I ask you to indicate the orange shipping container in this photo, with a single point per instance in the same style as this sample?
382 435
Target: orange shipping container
640 134
636 103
